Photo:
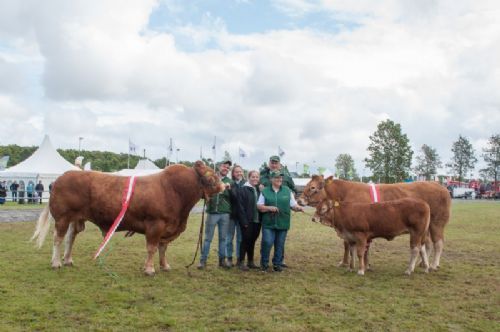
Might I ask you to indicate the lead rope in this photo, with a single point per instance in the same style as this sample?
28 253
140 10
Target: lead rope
200 236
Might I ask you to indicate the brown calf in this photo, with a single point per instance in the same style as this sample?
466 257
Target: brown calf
358 223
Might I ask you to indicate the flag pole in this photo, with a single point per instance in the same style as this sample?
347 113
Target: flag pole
128 154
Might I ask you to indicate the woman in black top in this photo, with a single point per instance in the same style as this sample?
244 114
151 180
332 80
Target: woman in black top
245 208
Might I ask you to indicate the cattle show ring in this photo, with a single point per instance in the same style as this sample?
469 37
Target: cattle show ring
343 274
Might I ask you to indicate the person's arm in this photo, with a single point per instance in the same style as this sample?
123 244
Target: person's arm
294 205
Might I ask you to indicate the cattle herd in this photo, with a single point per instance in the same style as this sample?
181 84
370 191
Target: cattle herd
161 204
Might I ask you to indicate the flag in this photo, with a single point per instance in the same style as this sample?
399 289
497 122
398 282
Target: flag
3 162
214 149
280 151
201 152
170 149
243 154
131 147
306 169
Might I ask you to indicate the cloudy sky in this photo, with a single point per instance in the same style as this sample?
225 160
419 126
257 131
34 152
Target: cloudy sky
314 77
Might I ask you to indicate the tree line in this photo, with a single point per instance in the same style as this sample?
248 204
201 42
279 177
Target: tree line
390 158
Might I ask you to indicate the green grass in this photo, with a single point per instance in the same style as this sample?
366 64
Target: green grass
313 295
17 206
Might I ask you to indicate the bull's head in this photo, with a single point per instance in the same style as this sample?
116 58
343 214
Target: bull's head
210 181
314 192
324 212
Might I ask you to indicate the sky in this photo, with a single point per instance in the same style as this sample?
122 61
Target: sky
312 77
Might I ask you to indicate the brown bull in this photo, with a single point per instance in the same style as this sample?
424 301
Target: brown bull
358 223
432 193
159 207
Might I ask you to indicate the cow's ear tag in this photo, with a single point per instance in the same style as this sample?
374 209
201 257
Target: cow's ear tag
208 174
336 204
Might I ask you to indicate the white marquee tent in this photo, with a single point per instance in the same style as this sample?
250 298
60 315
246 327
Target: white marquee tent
144 167
45 165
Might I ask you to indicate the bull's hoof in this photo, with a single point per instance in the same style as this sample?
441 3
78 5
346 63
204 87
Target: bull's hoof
149 273
342 264
165 268
56 266
69 263
433 268
361 273
408 272
426 270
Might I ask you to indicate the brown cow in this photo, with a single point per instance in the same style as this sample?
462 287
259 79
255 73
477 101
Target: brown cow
432 193
358 223
159 207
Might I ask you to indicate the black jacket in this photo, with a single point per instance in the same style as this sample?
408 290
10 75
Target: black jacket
244 204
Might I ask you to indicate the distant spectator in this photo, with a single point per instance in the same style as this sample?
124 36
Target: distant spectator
21 190
3 192
39 190
30 188
13 188
50 187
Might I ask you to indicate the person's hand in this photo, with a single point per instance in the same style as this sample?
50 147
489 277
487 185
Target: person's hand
261 187
298 208
273 209
228 185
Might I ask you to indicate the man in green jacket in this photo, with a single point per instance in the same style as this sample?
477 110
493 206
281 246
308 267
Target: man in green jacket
218 210
275 203
275 165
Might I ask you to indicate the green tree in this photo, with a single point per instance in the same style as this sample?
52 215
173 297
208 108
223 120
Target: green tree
491 155
463 158
344 166
390 153
427 162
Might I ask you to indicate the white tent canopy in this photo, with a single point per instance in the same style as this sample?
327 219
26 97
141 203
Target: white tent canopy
144 167
45 165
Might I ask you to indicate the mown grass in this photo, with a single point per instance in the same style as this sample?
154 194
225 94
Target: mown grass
17 206
313 295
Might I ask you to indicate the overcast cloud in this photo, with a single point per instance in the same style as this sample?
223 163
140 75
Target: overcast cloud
314 77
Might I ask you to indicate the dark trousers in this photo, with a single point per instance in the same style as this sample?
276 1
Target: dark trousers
39 193
14 196
249 235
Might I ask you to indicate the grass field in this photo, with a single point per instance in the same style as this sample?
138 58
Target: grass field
313 295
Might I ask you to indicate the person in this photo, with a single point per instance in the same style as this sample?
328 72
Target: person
245 208
3 192
218 210
234 226
275 203
39 190
265 179
21 190
50 187
13 188
275 165
30 188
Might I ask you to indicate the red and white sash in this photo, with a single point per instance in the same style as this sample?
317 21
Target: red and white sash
127 194
374 193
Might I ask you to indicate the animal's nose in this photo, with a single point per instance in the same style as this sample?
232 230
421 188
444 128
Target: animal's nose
315 219
301 201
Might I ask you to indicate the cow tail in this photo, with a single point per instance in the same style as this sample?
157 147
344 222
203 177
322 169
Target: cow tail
42 227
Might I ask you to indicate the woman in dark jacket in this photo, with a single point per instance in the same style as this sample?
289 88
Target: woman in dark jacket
245 208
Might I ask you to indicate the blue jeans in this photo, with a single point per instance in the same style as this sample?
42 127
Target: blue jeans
272 237
222 221
233 226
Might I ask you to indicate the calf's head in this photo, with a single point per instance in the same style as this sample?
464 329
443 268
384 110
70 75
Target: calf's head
314 192
324 212
210 182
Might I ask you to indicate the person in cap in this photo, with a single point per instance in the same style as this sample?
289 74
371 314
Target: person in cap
275 203
218 210
275 165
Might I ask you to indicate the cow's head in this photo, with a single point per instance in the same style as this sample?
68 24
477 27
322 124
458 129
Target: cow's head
324 212
314 192
209 180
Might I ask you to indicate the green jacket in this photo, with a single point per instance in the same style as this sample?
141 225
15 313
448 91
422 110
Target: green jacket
287 179
281 199
221 202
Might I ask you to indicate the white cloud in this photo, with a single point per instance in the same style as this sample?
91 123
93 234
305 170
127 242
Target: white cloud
93 69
